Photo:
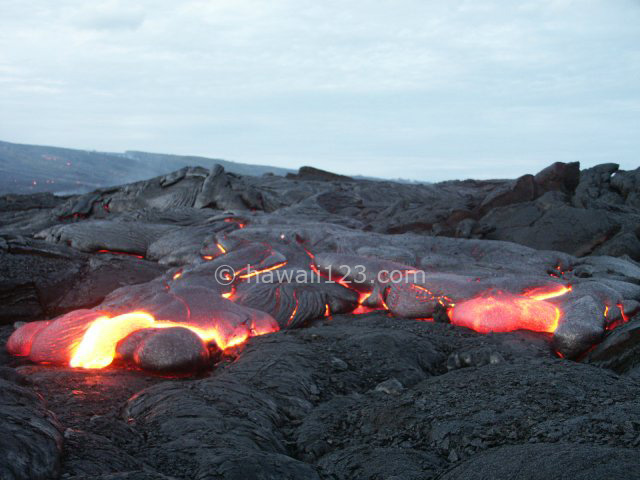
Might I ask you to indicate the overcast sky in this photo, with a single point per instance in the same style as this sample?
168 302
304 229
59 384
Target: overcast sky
419 89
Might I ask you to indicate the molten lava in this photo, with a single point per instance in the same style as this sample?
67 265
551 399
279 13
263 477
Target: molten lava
624 318
98 346
545 293
507 312
88 339
363 296
295 310
20 345
229 294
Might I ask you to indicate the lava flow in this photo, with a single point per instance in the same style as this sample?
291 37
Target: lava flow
92 337
507 312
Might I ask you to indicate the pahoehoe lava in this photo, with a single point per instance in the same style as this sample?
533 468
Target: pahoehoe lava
208 325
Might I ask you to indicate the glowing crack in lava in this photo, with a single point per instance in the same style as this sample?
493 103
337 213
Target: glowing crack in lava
507 312
362 297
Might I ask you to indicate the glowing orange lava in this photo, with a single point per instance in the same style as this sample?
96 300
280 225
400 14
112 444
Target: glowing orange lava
229 294
545 293
97 349
98 346
363 296
295 310
506 312
88 339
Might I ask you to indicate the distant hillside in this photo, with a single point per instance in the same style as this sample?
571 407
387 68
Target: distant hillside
34 168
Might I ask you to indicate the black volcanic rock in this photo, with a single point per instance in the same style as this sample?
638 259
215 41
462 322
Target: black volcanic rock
521 190
620 351
216 192
582 327
315 174
30 436
39 279
365 462
594 188
171 350
102 235
294 303
126 347
551 227
565 461
558 176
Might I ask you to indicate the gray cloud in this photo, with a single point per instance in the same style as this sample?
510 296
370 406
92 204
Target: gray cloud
405 88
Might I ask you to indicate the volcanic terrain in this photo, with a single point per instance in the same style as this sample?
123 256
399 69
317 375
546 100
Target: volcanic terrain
209 325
